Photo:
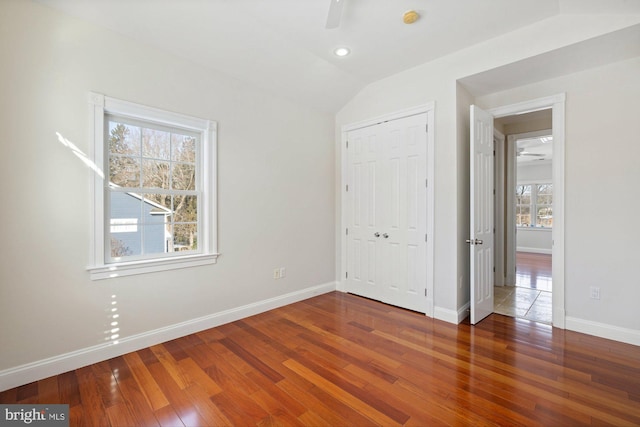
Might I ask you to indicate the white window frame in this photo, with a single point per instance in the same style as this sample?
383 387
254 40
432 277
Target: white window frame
533 204
99 105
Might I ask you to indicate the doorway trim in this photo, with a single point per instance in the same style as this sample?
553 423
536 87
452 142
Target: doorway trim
427 108
557 104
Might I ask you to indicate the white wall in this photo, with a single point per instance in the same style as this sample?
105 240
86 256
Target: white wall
437 81
276 188
601 176
528 172
534 240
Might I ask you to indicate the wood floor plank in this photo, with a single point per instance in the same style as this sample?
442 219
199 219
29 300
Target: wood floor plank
119 415
338 359
136 401
48 391
148 386
167 417
372 408
91 398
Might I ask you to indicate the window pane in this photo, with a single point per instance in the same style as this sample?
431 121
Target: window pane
155 174
124 139
185 237
185 208
156 239
544 216
156 208
523 216
523 194
544 200
183 148
124 171
124 246
184 176
523 220
124 224
545 189
156 144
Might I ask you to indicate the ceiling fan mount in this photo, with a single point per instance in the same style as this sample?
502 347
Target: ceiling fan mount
335 13
522 152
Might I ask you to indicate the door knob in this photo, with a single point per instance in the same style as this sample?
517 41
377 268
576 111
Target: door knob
474 242
385 235
376 234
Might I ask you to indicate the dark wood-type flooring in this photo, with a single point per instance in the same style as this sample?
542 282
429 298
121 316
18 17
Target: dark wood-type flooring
342 360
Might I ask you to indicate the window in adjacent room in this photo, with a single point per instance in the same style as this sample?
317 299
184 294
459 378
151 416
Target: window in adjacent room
534 205
155 208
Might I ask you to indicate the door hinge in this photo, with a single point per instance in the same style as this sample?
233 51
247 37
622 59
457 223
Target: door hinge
346 275
347 187
426 128
347 144
426 238
494 269
494 152
426 183
347 231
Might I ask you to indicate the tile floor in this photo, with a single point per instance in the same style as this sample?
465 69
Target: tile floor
514 301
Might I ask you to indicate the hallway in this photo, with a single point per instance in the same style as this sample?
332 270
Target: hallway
530 298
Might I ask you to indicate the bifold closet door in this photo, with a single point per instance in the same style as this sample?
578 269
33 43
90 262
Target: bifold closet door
386 241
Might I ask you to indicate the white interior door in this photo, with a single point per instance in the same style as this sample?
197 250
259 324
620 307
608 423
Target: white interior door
386 241
482 203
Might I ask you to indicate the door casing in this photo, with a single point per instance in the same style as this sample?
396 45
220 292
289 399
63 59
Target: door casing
557 104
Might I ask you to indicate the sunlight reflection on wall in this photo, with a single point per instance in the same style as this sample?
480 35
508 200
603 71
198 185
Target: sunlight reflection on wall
112 334
80 154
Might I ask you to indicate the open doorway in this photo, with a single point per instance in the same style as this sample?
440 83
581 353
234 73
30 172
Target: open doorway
524 216
484 219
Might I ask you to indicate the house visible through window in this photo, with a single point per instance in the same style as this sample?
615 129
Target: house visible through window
534 205
155 208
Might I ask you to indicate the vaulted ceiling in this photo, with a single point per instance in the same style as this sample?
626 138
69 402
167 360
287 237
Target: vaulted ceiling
283 46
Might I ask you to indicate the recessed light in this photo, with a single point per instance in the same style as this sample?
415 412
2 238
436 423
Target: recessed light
341 51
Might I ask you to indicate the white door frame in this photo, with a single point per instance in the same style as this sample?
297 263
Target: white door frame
557 104
498 244
427 108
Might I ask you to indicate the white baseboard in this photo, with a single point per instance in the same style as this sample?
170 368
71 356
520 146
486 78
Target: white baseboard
603 330
451 316
24 374
534 250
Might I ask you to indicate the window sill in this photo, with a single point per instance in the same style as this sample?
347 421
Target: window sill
534 228
111 271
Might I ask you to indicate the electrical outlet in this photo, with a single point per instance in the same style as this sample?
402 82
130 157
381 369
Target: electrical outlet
276 273
283 272
595 292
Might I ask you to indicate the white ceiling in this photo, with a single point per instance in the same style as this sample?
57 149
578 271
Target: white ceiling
282 45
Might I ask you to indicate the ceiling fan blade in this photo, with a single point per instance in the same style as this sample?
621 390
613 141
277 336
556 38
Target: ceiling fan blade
526 153
335 13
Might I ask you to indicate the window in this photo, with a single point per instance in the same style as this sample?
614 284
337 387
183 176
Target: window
534 205
155 207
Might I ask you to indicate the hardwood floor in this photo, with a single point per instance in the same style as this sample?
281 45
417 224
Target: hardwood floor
342 360
533 271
